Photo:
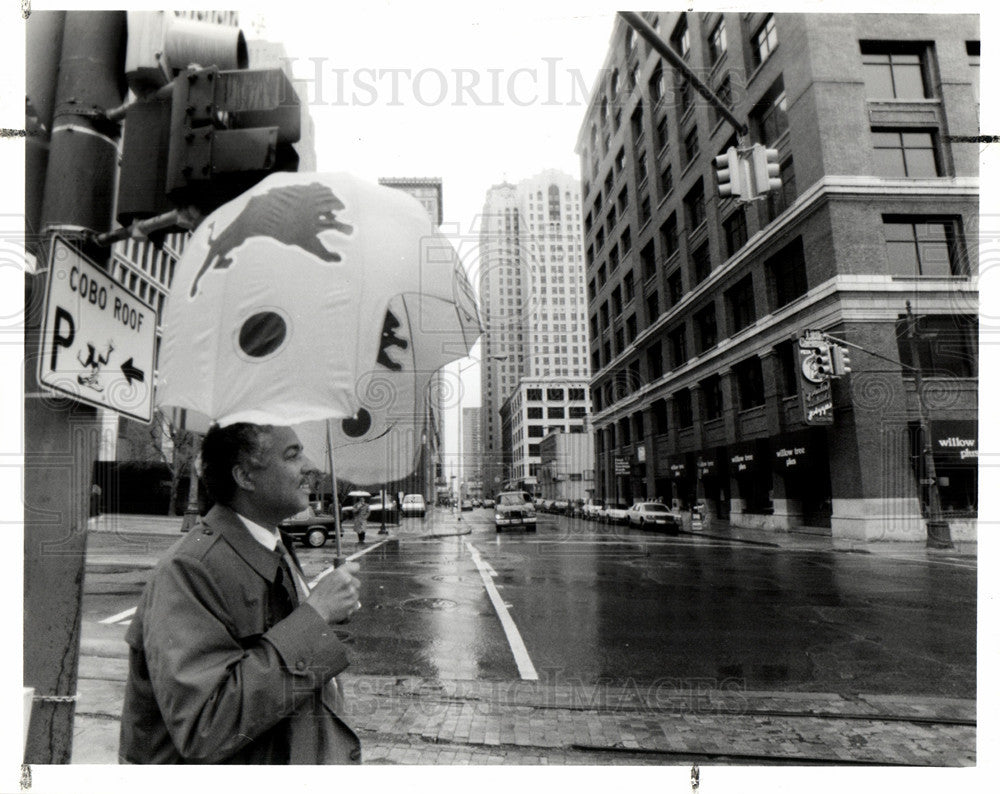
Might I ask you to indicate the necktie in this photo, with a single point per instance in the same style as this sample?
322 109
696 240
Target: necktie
290 568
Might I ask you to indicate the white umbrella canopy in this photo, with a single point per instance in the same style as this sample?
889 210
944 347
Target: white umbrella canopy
421 332
278 302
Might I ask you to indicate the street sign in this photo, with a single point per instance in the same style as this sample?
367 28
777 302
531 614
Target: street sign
98 338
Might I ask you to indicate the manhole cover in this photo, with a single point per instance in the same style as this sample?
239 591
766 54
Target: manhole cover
429 604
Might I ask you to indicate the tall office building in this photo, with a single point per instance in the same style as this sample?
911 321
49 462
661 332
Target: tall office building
533 303
471 452
697 303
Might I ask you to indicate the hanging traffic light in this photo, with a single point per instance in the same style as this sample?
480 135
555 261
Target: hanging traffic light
766 169
729 173
840 359
824 362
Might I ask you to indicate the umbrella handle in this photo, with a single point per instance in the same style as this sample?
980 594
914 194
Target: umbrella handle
338 561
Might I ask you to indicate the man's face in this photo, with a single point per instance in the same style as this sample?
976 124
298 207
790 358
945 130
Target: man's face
280 477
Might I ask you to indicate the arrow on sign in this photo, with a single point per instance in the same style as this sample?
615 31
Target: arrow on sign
132 372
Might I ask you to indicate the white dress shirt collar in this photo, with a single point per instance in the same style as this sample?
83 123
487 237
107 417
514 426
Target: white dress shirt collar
268 538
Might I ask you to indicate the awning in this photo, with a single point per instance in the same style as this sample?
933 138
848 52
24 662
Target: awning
792 451
747 457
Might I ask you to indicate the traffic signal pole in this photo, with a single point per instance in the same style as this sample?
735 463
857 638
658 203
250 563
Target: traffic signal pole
62 436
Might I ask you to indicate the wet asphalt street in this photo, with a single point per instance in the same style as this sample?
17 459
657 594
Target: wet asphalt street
595 603
580 602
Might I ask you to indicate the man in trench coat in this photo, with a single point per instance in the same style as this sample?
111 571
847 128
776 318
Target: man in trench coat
232 660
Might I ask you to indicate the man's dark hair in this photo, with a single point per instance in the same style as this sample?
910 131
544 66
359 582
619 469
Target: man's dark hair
223 448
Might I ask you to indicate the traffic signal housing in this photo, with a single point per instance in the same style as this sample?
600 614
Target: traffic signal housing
824 362
766 169
840 359
204 128
729 174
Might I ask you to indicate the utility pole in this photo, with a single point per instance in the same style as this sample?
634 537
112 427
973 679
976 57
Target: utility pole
61 436
938 531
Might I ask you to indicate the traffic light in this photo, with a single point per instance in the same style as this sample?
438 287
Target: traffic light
210 132
729 172
841 359
766 169
824 362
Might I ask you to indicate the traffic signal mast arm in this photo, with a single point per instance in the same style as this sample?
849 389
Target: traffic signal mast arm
865 350
644 29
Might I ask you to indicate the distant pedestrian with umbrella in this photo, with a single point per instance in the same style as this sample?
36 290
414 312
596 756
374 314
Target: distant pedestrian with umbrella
361 511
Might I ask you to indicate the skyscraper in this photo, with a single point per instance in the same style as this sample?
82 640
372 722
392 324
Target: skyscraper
533 300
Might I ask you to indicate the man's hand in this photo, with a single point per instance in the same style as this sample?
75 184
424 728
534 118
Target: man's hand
335 596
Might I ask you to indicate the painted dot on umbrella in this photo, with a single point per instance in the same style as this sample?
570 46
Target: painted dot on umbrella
262 333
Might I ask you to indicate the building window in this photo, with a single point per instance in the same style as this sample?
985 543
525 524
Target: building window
534 395
661 132
691 145
654 360
786 274
764 41
701 262
555 394
637 128
711 392
678 347
910 154
534 450
685 95
557 412
668 236
628 283
694 206
947 345
923 246
652 307
623 201
771 114
602 276
631 329
724 91
577 394
685 416
648 260
717 41
535 412
788 363
577 412
645 210
972 50
616 301
750 382
656 84
675 287
706 331
735 229
613 258
681 39
780 200
895 70
535 431
666 180
626 241
740 301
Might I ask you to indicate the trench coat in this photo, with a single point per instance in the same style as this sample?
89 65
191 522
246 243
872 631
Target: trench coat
224 668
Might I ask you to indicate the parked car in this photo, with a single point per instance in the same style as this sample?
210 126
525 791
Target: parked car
559 506
653 515
591 509
614 514
413 505
514 508
466 504
489 503
310 527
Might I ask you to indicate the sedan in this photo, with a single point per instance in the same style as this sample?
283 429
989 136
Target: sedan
653 515
414 505
310 527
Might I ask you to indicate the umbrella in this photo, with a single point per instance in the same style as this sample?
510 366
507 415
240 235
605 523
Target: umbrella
279 311
278 301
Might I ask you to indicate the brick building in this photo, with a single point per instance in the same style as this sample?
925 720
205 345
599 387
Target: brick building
695 302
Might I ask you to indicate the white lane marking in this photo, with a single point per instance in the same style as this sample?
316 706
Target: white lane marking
490 569
524 665
362 553
120 616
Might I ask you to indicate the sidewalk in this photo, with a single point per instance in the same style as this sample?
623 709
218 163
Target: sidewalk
414 721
